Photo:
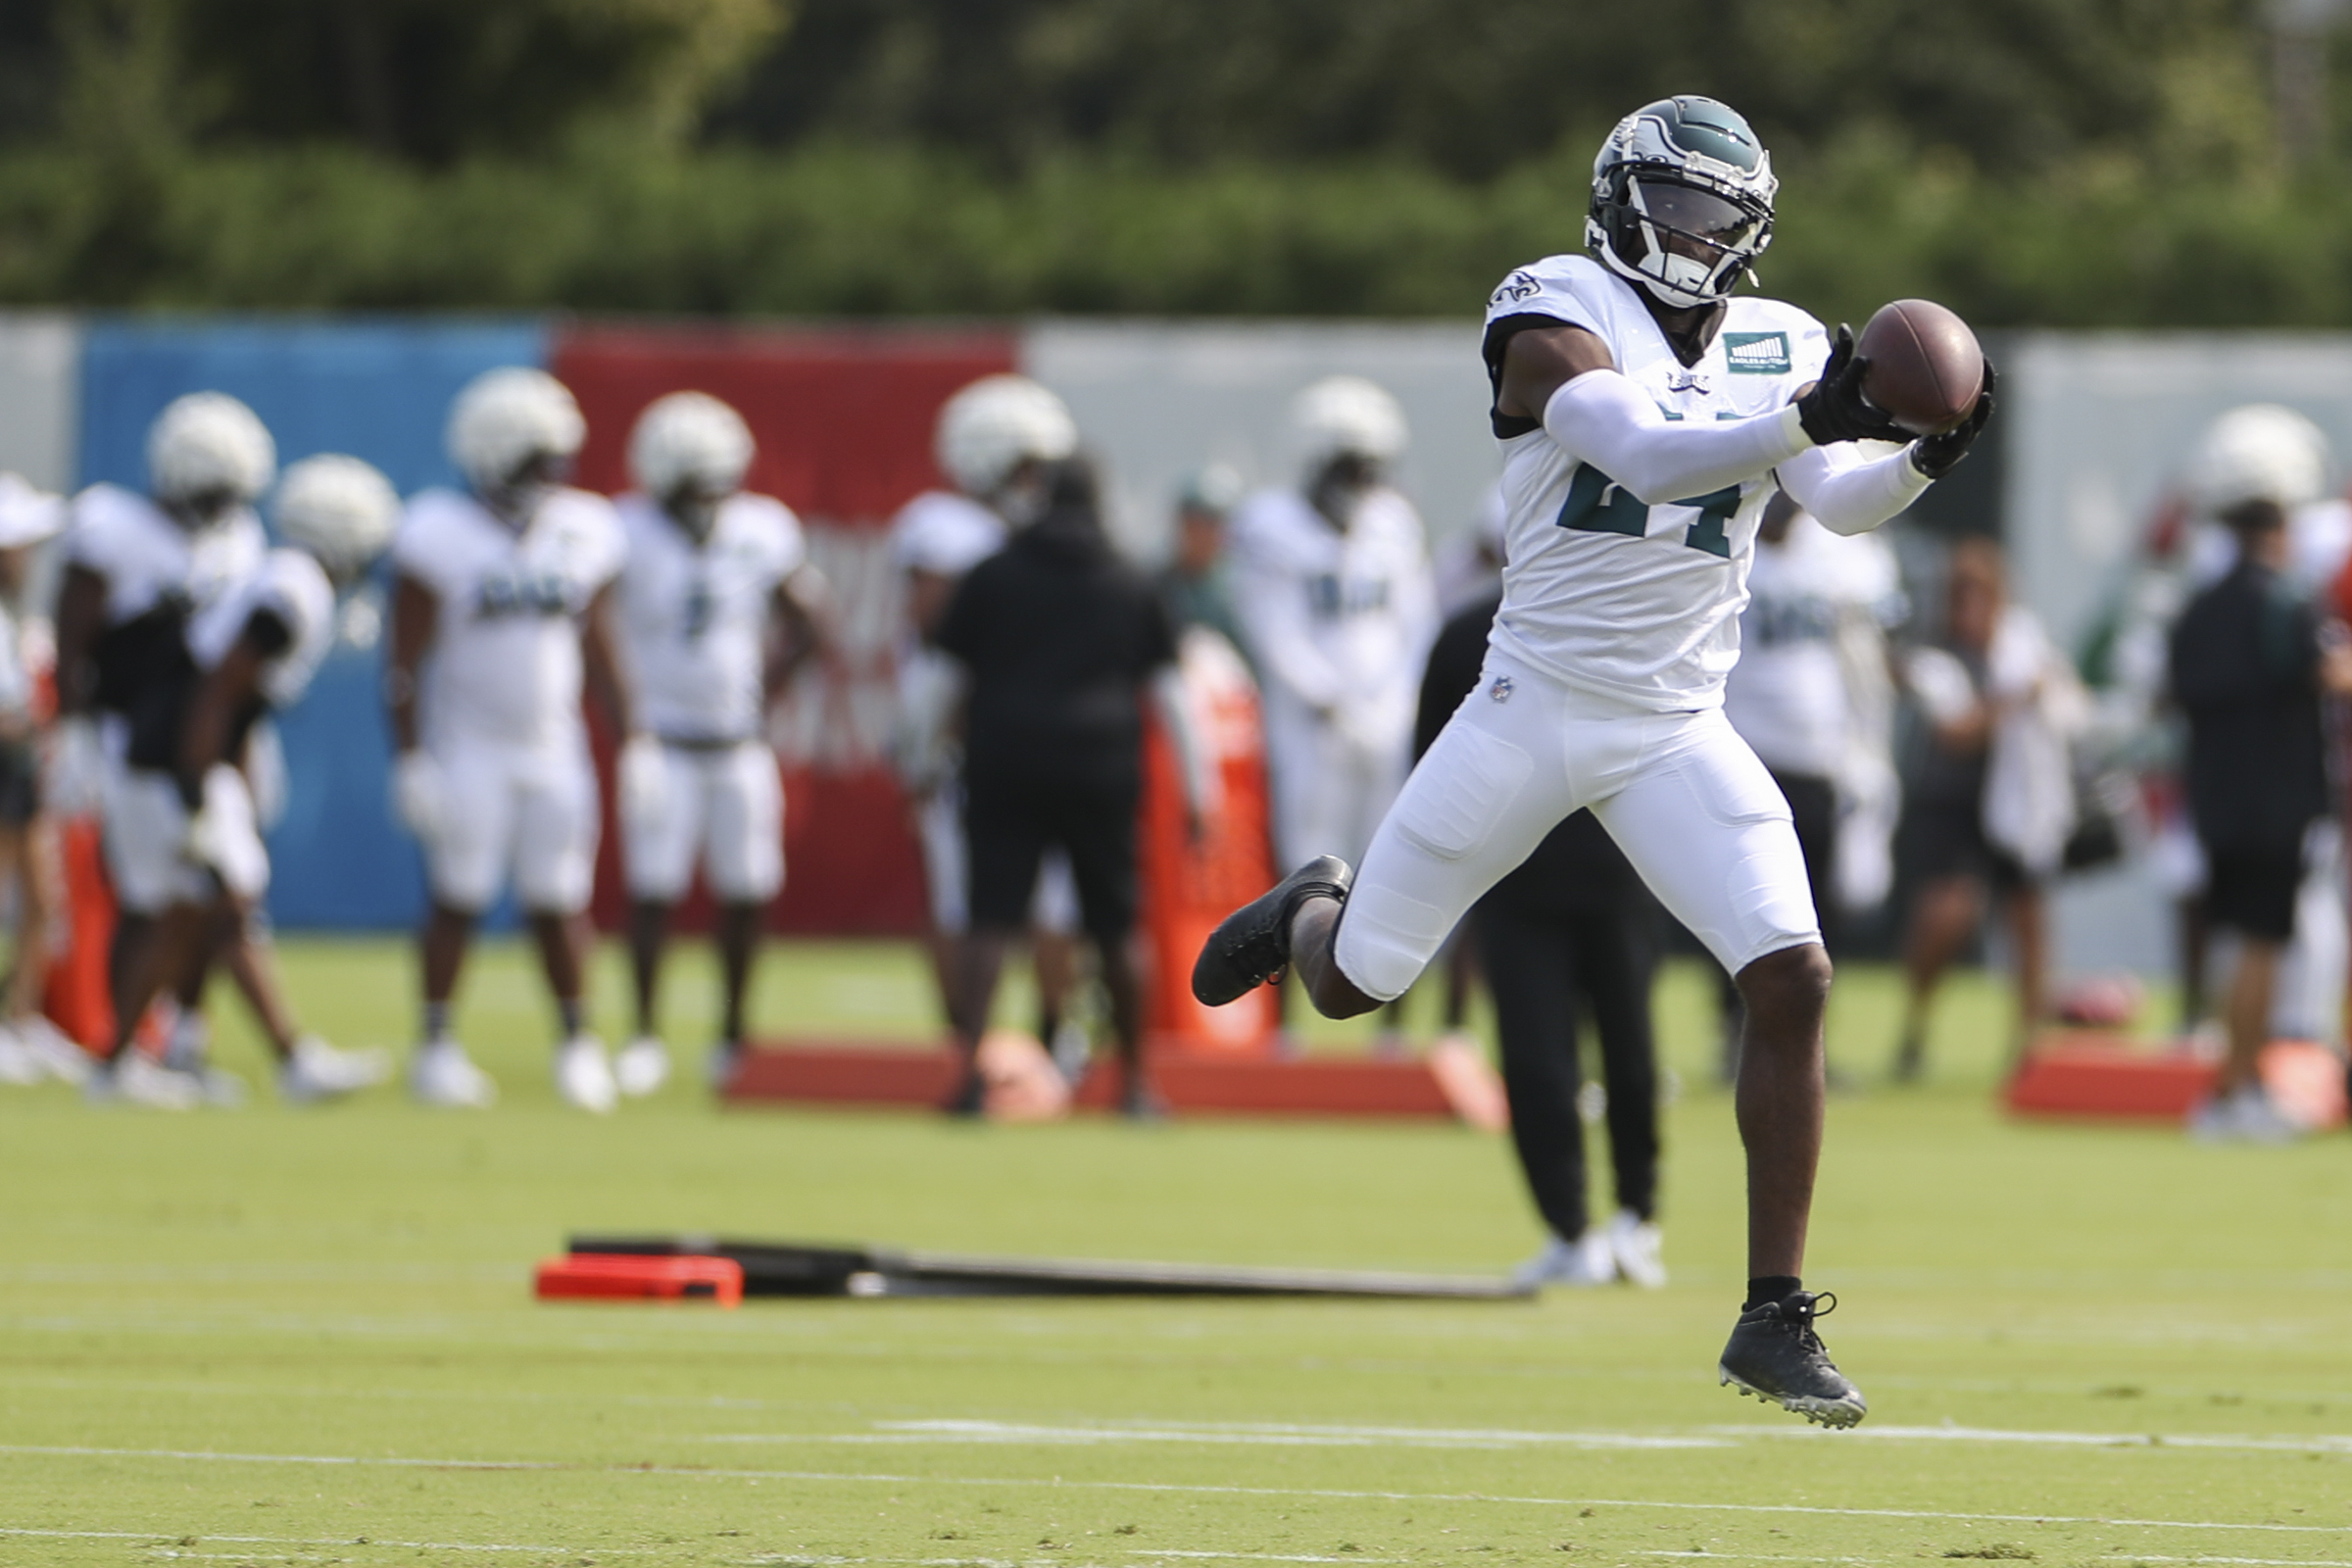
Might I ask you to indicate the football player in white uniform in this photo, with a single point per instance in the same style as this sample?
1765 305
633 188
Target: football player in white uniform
719 605
1332 586
1646 415
994 440
498 618
253 651
138 567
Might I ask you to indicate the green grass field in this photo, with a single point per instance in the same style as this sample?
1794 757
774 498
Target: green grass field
280 1337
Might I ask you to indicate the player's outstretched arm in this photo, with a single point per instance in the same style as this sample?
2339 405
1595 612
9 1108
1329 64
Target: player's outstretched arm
1601 418
1851 491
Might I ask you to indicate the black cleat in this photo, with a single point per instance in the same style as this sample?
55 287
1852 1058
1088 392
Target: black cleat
1252 944
1775 1354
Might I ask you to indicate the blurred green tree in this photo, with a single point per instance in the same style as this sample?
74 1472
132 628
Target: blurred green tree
432 81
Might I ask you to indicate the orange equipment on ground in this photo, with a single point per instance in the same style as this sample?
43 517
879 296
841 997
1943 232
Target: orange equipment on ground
626 1277
1188 887
77 998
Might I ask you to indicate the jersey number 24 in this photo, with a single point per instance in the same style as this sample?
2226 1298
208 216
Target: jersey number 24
1598 504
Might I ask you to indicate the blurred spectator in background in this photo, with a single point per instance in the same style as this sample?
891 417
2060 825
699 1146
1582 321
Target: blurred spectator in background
2247 667
1809 696
1572 928
1193 585
1060 642
137 569
995 441
718 606
1992 801
1332 584
31 1048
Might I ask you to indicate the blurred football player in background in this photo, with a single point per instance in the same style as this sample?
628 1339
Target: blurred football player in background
31 1048
718 605
994 441
137 570
1331 582
498 617
1809 696
251 650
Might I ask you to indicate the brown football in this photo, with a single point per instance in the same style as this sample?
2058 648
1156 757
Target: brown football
1925 365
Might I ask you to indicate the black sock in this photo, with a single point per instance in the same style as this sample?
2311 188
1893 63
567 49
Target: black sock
571 1017
1771 1288
436 1021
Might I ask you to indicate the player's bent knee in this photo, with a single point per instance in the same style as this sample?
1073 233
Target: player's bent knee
1792 982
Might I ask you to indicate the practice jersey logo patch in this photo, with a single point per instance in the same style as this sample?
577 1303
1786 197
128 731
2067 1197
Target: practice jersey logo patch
1756 353
1518 287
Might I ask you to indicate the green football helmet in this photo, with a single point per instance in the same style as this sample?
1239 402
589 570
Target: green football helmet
1682 200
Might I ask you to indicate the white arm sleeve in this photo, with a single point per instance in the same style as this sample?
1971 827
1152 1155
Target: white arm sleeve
1851 491
1601 417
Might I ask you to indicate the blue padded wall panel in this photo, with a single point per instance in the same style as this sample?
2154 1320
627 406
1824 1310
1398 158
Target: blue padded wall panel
378 390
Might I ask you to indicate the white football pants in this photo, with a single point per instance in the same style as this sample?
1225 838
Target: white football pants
721 807
1686 799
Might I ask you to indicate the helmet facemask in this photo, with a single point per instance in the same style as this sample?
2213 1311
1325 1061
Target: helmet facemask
1687 242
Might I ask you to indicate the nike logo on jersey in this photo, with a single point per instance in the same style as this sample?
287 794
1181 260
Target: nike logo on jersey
536 594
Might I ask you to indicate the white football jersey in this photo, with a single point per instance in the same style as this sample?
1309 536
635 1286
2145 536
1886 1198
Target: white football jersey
505 664
291 586
1638 603
941 532
1336 621
694 617
1787 697
147 559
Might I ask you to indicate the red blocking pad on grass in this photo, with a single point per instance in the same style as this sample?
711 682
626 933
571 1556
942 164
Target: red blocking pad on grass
2095 1075
621 1277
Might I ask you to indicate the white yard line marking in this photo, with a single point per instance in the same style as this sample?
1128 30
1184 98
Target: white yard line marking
1172 1488
172 1538
2318 1443
1241 1432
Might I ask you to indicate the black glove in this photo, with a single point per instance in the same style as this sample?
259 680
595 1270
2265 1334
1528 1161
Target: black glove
1835 409
1936 454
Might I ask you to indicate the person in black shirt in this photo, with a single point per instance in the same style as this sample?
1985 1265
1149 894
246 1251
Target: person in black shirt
2248 665
1573 927
1060 641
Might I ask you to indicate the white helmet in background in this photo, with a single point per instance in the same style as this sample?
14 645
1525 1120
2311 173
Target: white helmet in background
507 418
339 508
209 443
995 424
1347 416
2259 452
689 439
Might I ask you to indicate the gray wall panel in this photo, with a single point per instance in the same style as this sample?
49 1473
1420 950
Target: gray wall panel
1159 399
